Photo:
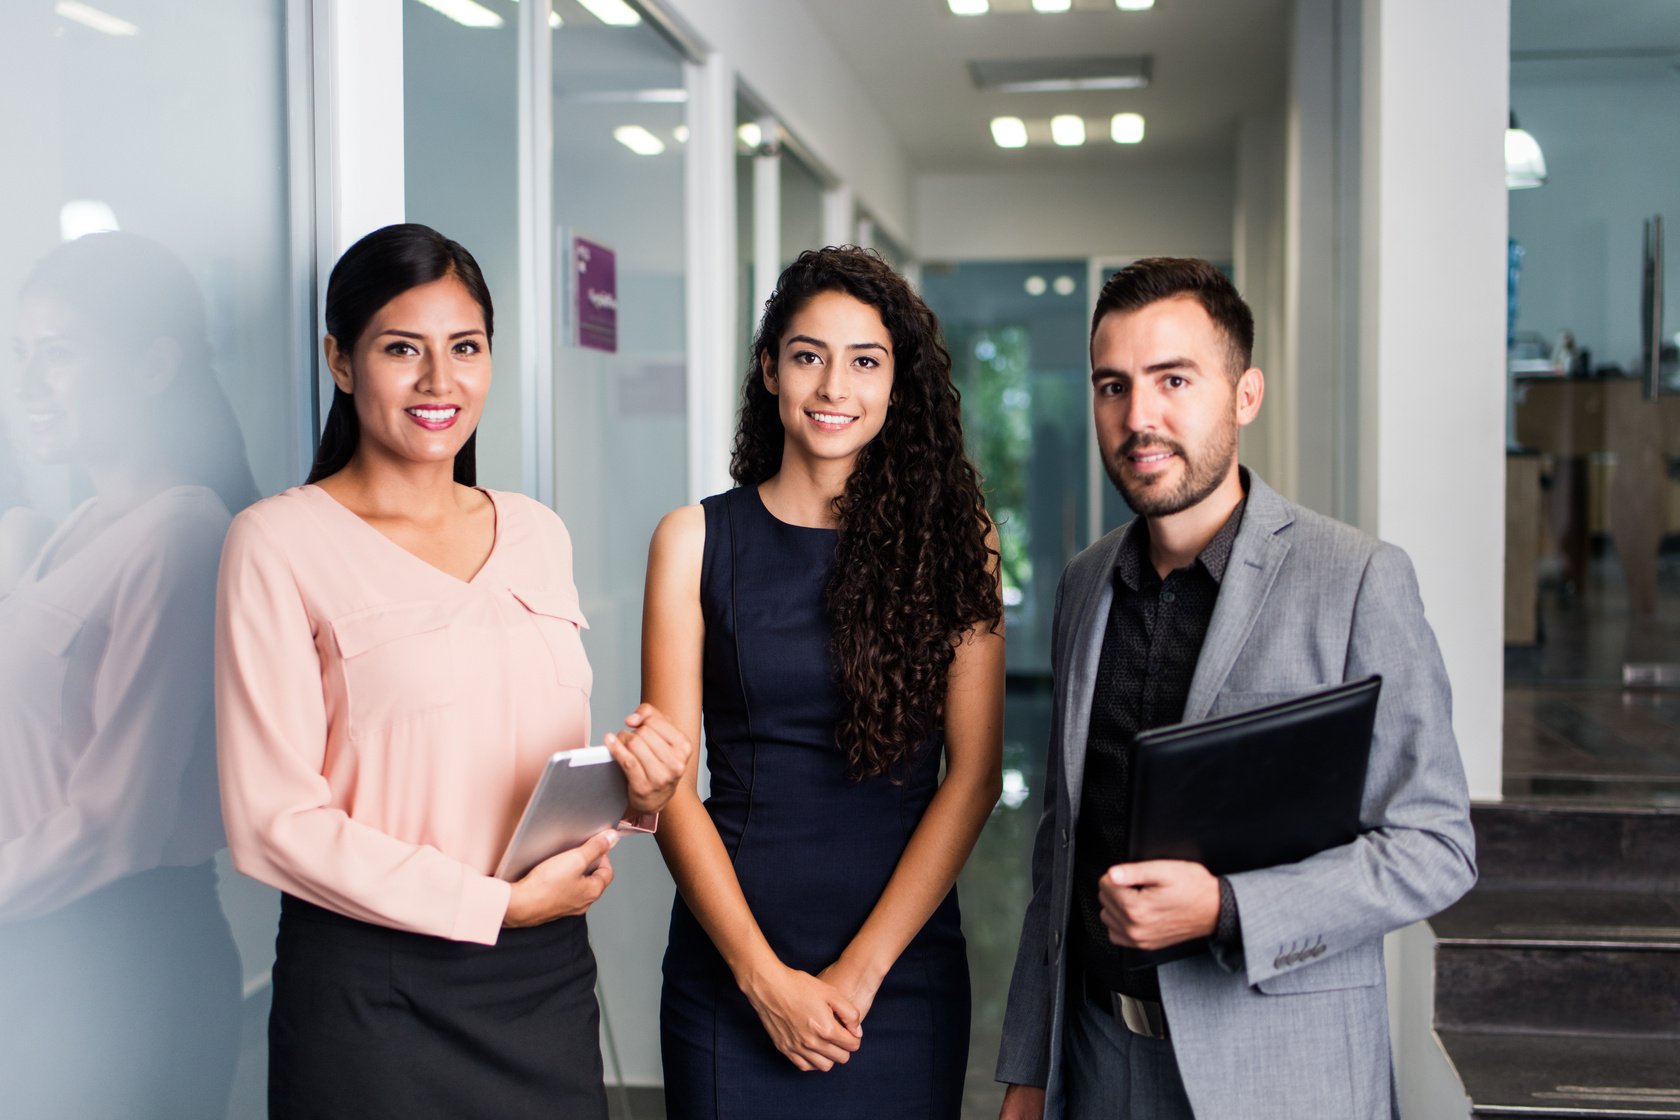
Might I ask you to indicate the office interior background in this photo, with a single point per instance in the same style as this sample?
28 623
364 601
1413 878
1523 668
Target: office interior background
1345 160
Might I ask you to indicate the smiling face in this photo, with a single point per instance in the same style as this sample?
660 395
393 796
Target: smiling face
1166 405
84 397
832 377
418 375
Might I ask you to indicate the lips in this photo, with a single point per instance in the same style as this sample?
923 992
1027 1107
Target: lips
831 421
434 418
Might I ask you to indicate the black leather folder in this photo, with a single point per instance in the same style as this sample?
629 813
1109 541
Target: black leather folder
1259 788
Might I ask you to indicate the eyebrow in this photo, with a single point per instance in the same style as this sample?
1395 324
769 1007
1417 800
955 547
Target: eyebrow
1167 365
414 334
805 338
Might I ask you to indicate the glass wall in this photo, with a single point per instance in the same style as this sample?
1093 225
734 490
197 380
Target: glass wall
164 383
1016 334
620 423
802 208
461 176
1592 622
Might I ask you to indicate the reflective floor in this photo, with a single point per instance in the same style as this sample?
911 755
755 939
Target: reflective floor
1572 730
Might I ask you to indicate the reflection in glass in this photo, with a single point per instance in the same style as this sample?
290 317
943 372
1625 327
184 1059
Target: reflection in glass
112 940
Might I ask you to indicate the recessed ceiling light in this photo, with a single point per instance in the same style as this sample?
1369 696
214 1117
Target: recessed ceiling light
1063 285
1068 130
968 7
1126 128
1035 285
750 134
94 18
680 134
615 13
554 19
638 139
1009 132
465 12
1134 5
1051 5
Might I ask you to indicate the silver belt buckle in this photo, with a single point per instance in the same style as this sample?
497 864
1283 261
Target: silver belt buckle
1141 1016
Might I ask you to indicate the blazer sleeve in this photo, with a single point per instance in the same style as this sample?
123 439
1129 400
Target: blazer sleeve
1024 1055
271 735
1417 853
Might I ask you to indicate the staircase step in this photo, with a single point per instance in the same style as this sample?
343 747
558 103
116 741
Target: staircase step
1552 1076
1536 845
1550 917
1599 991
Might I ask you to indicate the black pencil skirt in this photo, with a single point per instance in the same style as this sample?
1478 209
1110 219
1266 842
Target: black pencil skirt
370 1022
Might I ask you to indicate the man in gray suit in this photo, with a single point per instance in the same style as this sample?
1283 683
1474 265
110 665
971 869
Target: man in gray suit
1220 596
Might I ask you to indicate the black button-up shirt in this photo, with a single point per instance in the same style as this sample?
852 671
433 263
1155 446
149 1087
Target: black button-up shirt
1151 644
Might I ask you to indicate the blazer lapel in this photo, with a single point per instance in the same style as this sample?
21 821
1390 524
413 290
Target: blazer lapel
1089 621
1256 556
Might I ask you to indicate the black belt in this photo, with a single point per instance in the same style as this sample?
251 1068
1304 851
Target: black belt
1144 1017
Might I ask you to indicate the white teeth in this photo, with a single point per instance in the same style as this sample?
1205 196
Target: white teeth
433 415
831 418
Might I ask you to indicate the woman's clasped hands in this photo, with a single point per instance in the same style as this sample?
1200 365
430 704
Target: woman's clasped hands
809 1020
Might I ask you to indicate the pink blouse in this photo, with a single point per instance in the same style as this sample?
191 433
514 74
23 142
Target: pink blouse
380 723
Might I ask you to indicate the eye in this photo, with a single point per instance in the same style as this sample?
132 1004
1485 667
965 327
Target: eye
1110 389
868 362
807 357
1176 382
469 346
400 349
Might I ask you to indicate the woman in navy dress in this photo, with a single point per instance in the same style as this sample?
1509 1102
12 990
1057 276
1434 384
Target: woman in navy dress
836 620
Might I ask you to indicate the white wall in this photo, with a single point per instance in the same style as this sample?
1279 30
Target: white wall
1582 232
1183 209
1433 290
785 58
1260 236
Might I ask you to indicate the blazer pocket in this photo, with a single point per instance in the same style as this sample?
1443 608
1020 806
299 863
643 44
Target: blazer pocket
1230 703
1358 967
560 621
398 663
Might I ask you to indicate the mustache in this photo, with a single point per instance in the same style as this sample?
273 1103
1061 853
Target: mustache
1137 443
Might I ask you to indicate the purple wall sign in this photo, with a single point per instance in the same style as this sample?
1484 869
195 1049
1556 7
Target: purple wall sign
597 295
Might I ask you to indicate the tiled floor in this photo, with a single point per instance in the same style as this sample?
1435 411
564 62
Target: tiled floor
1571 730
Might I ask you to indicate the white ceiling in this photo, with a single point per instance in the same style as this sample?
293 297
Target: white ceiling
1587 40
1212 60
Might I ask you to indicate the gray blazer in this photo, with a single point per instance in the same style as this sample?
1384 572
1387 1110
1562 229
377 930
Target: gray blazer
1298 1028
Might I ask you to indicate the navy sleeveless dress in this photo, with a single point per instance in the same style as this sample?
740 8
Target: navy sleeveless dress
813 852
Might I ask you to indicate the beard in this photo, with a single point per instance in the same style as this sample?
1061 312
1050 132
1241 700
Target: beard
1152 496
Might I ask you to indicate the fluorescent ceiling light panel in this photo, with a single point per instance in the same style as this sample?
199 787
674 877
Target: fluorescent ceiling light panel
638 139
1051 5
968 7
1134 5
614 13
1060 75
1009 132
465 12
92 17
1067 130
1126 128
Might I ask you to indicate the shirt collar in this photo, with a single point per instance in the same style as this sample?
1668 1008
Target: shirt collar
1133 559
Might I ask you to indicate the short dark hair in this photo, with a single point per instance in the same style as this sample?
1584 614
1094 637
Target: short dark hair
1153 279
371 273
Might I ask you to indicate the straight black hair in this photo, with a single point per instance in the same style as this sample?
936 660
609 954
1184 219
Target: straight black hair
371 273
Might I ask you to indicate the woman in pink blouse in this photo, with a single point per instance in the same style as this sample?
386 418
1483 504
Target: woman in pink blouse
397 654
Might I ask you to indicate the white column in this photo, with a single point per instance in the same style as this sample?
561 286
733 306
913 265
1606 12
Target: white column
713 261
358 131
536 250
767 212
1433 204
839 213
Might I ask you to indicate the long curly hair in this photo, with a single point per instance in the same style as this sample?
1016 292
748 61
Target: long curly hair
912 566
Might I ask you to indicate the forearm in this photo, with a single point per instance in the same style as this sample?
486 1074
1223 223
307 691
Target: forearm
938 848
704 874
